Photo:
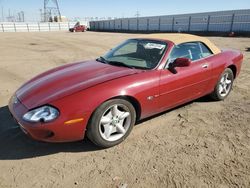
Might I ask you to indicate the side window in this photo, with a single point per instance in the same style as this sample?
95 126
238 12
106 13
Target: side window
180 51
205 50
195 50
191 50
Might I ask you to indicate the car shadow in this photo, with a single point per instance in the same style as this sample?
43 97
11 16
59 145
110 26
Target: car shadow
14 144
204 99
247 50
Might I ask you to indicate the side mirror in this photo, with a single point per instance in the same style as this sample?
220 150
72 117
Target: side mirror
182 62
179 62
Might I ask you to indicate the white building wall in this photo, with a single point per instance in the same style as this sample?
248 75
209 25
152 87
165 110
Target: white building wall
37 27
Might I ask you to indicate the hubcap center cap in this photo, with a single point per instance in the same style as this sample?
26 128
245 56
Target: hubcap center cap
115 121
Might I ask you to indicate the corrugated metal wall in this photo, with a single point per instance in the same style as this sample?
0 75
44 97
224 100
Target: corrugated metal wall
223 21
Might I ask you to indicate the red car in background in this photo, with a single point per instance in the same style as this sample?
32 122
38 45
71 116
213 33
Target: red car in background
139 78
78 28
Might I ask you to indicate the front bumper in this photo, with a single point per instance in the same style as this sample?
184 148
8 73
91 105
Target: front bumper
55 131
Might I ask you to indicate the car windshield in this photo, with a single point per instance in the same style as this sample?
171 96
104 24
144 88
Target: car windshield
136 53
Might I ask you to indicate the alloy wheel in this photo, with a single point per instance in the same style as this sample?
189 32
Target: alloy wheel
115 122
225 85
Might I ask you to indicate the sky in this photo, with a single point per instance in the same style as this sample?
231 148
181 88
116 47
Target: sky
120 8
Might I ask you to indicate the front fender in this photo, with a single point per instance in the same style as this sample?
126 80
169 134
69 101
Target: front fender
85 102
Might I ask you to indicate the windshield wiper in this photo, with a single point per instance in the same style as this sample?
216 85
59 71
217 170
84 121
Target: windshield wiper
102 60
118 63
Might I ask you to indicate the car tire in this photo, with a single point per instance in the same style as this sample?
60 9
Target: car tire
111 123
223 86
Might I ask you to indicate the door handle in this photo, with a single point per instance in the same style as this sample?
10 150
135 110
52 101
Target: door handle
205 66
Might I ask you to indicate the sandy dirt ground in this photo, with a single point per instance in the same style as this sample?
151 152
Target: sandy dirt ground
201 144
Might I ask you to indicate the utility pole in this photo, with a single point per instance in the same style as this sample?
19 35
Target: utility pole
50 11
41 15
9 18
137 14
58 10
2 14
21 15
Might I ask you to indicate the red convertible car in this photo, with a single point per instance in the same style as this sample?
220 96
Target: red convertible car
78 28
103 98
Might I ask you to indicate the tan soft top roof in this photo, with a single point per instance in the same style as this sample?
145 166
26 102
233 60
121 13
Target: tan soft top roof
178 38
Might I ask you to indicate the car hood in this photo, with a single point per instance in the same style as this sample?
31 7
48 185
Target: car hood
66 80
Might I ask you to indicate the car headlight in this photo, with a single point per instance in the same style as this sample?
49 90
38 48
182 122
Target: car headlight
42 114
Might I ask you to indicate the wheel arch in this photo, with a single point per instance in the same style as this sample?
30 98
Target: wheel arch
136 104
234 69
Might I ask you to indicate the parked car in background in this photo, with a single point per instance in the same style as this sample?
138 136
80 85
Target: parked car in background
78 28
141 77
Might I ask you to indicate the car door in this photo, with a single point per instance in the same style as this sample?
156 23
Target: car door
78 28
186 83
